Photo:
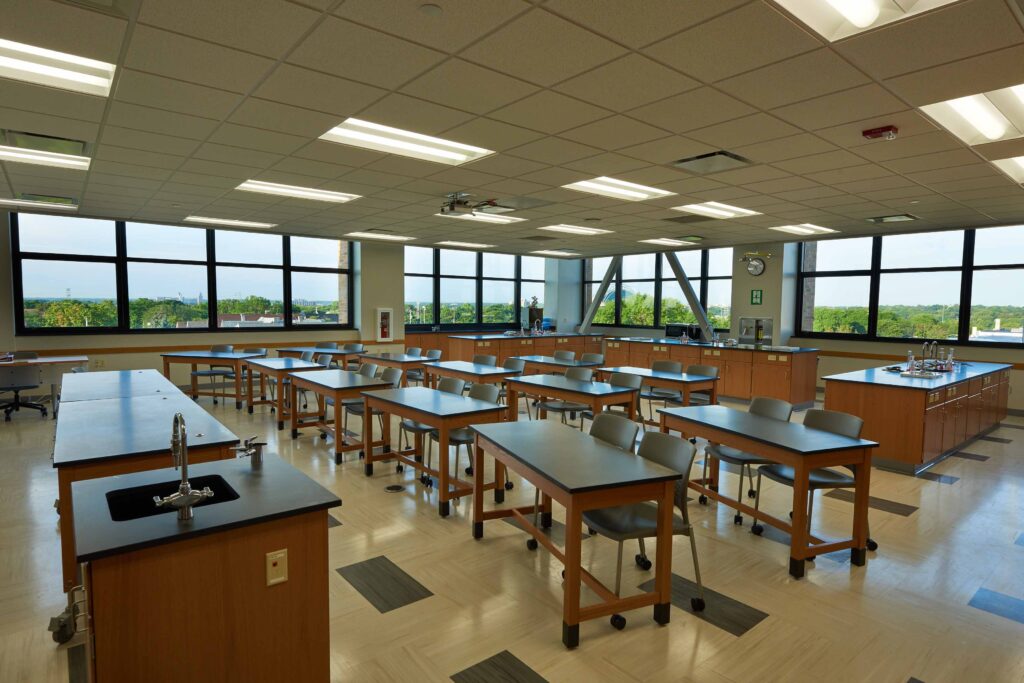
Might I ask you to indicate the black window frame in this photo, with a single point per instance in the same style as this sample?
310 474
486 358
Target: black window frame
121 261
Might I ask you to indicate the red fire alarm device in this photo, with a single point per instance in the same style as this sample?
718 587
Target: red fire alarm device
885 132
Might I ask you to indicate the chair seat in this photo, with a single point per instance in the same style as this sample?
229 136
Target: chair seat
563 406
822 478
460 436
656 394
625 522
357 408
414 426
23 388
735 456
697 398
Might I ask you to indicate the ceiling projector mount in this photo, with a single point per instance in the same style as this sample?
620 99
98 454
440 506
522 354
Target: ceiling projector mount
460 202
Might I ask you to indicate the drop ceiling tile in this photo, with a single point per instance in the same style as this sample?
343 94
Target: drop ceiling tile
282 118
803 77
165 93
941 175
841 107
781 185
151 142
745 131
235 172
903 147
874 184
841 199
43 124
333 153
491 134
254 138
413 168
554 151
746 38
191 190
299 87
130 170
839 158
803 144
64 27
309 167
109 180
236 155
819 192
542 48
614 132
410 113
982 73
938 160
666 150
627 83
850 174
462 85
692 186
503 165
606 164
639 22
549 112
375 178
433 188
750 174
159 121
368 56
109 152
511 187
177 56
1005 149
693 109
44 100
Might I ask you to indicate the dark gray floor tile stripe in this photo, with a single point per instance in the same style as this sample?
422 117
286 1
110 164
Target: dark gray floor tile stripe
556 533
332 521
995 439
1020 540
901 509
503 667
78 672
779 536
383 583
1007 424
914 680
971 456
720 610
1000 604
941 478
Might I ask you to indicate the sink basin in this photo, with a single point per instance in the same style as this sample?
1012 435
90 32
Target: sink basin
920 374
137 502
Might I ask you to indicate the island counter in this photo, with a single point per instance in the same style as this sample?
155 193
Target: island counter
920 421
465 346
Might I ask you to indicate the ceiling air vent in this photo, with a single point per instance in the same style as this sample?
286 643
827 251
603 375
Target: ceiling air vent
897 218
712 162
686 219
538 238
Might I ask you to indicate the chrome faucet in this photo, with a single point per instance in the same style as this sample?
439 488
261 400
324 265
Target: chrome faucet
186 496
251 448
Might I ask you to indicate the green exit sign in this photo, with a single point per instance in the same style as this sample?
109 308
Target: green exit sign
755 297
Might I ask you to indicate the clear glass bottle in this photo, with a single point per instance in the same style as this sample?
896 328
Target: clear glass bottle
910 361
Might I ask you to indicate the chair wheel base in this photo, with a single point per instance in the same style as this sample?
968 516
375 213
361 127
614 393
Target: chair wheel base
737 520
618 622
751 493
509 486
643 562
469 470
702 499
399 468
697 604
757 529
323 435
531 544
872 546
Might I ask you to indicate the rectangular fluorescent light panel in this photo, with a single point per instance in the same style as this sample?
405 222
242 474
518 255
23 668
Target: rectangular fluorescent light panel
716 210
1013 167
35 204
618 189
986 117
497 219
667 242
556 252
379 236
228 222
837 19
575 230
368 135
804 229
897 218
296 192
38 65
465 245
20 155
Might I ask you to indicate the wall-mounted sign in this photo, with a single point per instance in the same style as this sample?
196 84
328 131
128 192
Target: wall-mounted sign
755 297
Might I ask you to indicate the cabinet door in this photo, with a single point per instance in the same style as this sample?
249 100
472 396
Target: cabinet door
771 380
616 353
1002 400
962 410
932 433
640 354
544 347
989 406
737 379
973 414
687 355
948 426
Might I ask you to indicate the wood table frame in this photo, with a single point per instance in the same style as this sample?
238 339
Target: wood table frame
413 457
803 545
535 367
191 358
575 505
344 441
283 408
597 403
683 385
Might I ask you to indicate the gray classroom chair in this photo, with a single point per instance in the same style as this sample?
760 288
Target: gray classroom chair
563 407
18 379
354 348
326 345
485 359
215 372
414 351
245 371
416 374
651 394
565 355
640 520
407 427
620 379
773 408
593 358
516 364
823 477
355 406
464 436
700 398
366 370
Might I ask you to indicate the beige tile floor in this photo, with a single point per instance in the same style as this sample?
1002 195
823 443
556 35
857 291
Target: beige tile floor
904 615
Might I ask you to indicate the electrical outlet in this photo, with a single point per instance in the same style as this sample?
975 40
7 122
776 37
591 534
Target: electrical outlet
99 363
277 567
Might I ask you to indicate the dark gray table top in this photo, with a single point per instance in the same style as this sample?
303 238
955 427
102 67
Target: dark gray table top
90 431
284 363
551 335
963 372
341 379
551 360
477 369
574 461
682 378
273 491
394 357
211 355
317 350
89 386
540 382
790 436
432 402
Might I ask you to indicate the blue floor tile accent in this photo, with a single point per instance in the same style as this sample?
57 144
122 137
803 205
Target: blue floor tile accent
1000 604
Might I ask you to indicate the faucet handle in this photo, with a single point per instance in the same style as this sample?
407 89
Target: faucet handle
207 492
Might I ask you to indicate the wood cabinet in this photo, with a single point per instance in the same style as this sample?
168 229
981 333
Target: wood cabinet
687 355
514 346
616 353
933 420
643 355
770 379
465 349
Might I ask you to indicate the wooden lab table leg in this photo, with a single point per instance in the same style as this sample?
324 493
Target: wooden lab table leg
571 596
798 539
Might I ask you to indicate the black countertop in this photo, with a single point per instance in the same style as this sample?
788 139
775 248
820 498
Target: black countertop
336 379
680 377
573 461
707 345
551 360
90 431
553 335
90 386
432 402
274 490
790 436
963 372
540 382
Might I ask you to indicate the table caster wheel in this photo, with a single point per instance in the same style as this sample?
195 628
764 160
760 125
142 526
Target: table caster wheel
323 435
702 499
563 573
531 544
509 485
643 562
273 410
751 493
872 546
430 483
44 413
697 604
591 531
757 529
737 520
62 628
812 558
469 470
618 622
399 469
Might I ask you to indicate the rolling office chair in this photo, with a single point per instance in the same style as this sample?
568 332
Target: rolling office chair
592 358
217 371
355 406
823 477
773 408
416 374
652 394
464 436
563 407
640 520
18 379
449 385
620 379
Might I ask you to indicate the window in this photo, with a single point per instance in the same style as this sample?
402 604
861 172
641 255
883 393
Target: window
835 288
997 287
644 291
73 273
458 301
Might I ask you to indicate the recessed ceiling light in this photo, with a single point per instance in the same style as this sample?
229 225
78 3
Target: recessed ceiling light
556 252
716 210
574 230
1013 167
803 229
55 69
367 135
897 218
667 242
617 189
860 13
985 117
36 204
835 19
20 155
466 245
379 236
499 219
296 191
230 222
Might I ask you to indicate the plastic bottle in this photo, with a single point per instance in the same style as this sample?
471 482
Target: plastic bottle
910 361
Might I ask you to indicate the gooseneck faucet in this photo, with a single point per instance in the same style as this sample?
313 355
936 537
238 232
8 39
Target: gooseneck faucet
186 496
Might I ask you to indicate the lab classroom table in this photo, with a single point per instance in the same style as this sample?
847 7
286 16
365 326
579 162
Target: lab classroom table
681 382
789 443
470 372
538 364
440 410
280 369
336 385
232 359
341 355
401 361
91 386
48 371
595 395
580 473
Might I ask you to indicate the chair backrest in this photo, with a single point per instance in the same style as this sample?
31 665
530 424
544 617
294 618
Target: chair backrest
451 385
261 351
433 354
367 369
775 408
581 374
834 421
623 379
21 377
672 366
24 355
222 348
592 358
615 430
307 355
706 370
516 364
414 351
484 359
565 355
324 359
485 392
392 376
327 345
674 453
358 348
